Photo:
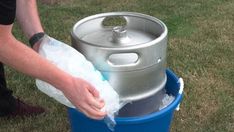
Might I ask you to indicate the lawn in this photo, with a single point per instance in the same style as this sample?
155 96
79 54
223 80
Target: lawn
200 50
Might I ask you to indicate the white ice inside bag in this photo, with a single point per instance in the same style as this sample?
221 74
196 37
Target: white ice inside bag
71 61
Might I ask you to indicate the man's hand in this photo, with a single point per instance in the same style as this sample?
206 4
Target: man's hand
85 97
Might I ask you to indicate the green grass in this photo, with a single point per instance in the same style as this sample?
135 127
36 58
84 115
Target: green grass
200 49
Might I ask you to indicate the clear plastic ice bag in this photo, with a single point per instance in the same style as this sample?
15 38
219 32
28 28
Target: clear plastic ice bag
71 61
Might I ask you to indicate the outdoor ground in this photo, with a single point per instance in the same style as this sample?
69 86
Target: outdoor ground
200 50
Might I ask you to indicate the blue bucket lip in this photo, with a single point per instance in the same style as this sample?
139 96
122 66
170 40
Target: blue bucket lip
152 116
155 115
145 118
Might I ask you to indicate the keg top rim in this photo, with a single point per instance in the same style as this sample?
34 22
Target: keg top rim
131 36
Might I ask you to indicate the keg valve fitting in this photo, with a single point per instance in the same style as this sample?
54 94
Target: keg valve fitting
119 35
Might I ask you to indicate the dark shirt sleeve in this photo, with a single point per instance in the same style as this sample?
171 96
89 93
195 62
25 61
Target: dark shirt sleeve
7 11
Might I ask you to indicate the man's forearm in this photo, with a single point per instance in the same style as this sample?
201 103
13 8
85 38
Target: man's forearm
27 16
22 58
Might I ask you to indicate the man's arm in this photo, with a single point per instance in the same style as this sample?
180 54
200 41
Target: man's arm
24 59
28 18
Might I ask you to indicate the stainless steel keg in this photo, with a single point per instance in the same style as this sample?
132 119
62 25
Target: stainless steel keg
131 56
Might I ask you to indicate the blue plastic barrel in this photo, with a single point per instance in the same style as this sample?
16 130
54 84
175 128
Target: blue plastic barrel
155 122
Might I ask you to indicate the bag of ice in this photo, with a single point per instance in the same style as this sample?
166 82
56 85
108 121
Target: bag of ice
74 63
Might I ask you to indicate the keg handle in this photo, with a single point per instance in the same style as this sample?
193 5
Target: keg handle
123 59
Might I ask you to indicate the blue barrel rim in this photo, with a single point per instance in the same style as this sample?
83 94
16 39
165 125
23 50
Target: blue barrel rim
145 118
